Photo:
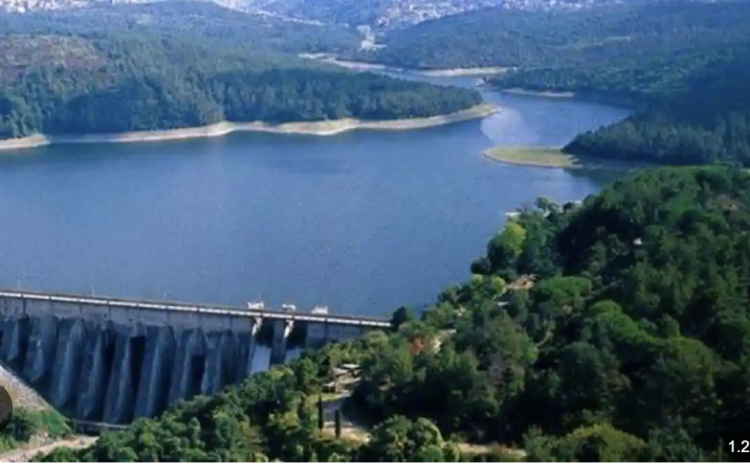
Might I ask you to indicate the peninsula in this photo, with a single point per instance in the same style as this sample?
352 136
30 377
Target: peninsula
68 88
320 128
683 71
550 157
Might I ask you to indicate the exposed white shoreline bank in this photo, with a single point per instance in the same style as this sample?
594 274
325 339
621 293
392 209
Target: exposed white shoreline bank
539 93
223 128
363 66
593 97
467 72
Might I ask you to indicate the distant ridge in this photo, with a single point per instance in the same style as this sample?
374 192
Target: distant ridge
372 13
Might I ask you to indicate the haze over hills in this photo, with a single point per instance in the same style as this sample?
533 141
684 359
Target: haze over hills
217 25
373 13
388 14
515 38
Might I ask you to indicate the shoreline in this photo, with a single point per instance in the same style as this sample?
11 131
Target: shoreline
319 128
365 66
539 93
593 97
553 157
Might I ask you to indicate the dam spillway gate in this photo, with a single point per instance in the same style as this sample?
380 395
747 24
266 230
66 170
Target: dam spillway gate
114 360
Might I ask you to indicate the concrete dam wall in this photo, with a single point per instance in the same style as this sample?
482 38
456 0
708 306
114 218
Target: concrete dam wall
113 361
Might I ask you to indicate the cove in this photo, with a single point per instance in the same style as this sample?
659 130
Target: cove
362 222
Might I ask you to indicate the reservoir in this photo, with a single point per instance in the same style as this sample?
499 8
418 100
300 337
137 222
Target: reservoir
362 222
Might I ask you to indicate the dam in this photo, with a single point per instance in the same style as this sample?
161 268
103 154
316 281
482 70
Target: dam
113 360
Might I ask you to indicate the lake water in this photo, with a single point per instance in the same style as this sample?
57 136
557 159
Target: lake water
362 222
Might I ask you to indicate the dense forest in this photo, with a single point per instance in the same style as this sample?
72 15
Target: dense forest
615 34
182 64
616 330
694 106
103 83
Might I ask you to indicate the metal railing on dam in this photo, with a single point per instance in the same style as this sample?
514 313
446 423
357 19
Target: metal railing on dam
91 427
213 309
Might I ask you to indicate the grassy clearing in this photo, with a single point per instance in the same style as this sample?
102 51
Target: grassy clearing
554 158
497 453
52 423
471 449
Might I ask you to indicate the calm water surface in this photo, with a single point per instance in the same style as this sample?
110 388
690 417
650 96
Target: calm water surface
362 222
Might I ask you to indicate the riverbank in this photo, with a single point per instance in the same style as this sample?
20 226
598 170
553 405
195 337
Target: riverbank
462 72
548 157
364 66
538 93
594 97
321 128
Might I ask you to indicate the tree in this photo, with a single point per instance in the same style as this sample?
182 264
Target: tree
337 419
321 413
401 440
402 315
679 388
671 445
598 443
21 426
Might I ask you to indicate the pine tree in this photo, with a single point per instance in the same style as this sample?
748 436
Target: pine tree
338 423
321 416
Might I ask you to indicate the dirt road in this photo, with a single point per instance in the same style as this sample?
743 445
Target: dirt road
40 445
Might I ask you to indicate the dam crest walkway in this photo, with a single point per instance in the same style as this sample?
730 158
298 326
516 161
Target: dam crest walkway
197 308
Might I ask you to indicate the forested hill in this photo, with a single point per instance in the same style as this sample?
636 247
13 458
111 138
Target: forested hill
696 105
214 25
613 34
104 83
627 339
